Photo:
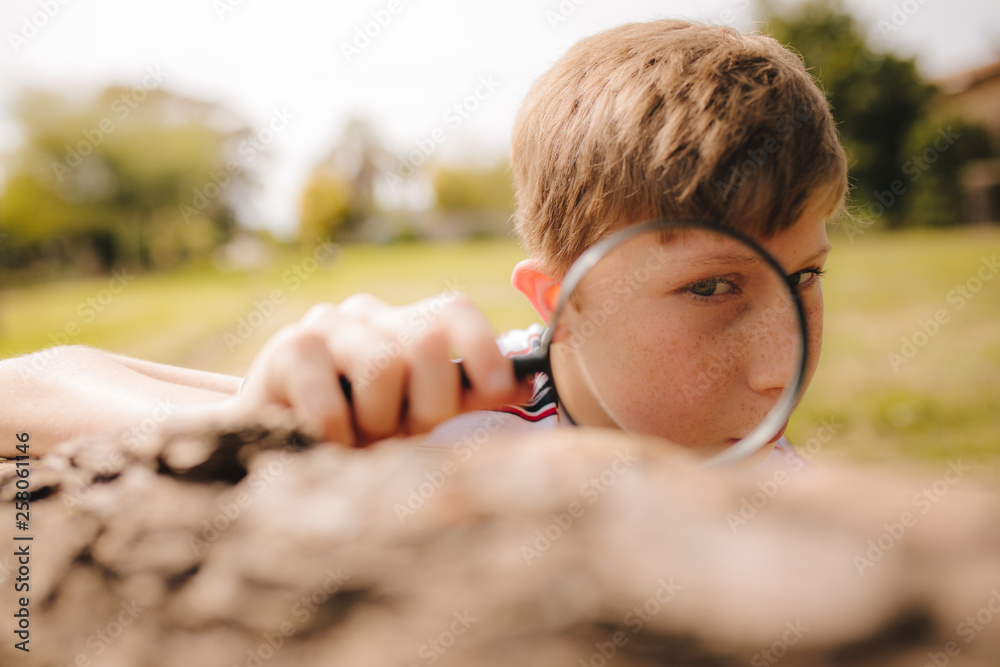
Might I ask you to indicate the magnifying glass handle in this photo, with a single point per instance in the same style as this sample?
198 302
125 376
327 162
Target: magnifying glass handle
527 365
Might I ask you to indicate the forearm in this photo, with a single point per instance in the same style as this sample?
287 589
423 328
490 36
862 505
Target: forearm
215 382
70 391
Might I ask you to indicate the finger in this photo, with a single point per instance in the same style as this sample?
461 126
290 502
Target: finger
435 388
301 373
316 395
470 335
373 363
362 336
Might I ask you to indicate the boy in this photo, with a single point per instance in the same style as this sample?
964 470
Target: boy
660 119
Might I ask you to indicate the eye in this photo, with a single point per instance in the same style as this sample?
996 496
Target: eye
804 278
711 287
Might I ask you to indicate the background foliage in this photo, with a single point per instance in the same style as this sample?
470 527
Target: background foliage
132 176
147 178
883 109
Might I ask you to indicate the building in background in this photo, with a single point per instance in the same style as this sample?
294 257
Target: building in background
974 95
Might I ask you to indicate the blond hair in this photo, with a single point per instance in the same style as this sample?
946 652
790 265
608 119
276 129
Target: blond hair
671 119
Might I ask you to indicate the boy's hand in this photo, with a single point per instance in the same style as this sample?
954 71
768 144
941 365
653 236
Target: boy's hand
397 361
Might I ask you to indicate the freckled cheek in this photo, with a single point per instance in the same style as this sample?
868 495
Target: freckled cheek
673 367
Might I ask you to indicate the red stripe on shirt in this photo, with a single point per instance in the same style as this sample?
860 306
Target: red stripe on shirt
527 416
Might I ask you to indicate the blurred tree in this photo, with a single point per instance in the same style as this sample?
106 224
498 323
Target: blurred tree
325 205
471 199
138 175
339 197
468 188
877 98
936 151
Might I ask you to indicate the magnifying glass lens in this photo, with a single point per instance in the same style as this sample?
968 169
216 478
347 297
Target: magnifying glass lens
689 333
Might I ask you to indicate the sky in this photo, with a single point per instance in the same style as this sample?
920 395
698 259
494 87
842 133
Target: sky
438 78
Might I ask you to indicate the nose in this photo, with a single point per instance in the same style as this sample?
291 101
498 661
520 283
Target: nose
773 349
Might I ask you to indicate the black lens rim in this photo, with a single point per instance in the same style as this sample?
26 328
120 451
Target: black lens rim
782 409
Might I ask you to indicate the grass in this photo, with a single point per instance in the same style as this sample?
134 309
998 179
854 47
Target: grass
183 317
942 403
936 400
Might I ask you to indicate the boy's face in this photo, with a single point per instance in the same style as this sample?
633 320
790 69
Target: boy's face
700 366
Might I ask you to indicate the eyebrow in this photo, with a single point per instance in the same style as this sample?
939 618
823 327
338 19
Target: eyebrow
740 257
726 258
825 250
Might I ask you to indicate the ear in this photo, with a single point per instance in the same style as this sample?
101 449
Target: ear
541 289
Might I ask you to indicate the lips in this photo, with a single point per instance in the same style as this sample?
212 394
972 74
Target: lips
777 436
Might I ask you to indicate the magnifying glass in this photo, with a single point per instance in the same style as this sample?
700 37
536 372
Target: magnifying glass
679 329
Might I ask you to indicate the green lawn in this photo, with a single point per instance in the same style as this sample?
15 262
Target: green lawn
183 317
941 403
939 400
